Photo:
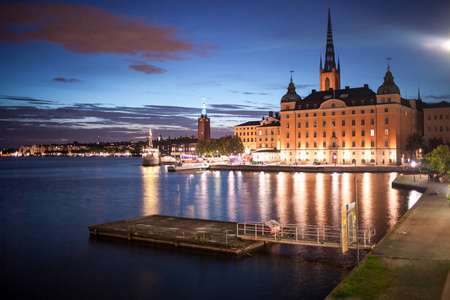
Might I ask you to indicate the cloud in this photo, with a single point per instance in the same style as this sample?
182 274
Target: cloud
441 97
87 29
248 93
27 99
148 69
66 80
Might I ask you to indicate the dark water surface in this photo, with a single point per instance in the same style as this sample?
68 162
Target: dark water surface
46 205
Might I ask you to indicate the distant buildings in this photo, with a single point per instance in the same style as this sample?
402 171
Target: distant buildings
346 126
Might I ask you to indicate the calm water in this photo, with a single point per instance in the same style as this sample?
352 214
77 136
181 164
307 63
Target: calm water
46 205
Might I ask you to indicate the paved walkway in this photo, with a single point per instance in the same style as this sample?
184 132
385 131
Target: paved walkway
417 249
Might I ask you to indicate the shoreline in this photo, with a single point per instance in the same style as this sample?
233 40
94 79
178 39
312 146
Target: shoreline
416 259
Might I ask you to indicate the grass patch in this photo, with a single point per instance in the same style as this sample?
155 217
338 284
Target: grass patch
368 281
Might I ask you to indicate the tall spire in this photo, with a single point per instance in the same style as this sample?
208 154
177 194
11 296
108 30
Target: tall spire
204 115
330 62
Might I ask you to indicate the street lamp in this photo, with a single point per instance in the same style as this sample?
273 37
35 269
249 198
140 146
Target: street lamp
413 165
335 160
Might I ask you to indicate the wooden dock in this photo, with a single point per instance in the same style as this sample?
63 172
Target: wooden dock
209 235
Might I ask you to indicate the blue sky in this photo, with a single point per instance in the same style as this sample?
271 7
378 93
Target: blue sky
75 70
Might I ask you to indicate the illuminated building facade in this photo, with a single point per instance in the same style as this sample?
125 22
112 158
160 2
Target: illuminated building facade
260 135
346 126
437 121
204 126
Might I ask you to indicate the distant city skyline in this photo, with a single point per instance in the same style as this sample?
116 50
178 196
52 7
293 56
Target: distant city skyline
76 70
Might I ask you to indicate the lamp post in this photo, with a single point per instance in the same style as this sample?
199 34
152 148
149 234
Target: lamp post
413 165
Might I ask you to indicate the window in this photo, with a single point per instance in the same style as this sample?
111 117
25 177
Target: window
298 116
353 133
441 128
287 116
372 122
299 145
372 143
385 110
306 115
386 120
389 100
343 144
441 117
299 135
299 125
362 121
343 133
386 132
324 144
343 113
363 144
287 125
429 129
353 122
362 110
315 133
324 134
363 132
343 122
353 144
307 145
372 132
307 134
314 124
315 144
324 124
386 143
371 111
314 114
333 123
333 134
287 135
333 113
324 114
287 145
306 124
429 117
353 112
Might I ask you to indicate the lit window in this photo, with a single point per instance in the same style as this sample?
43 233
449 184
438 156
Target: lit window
386 132
372 132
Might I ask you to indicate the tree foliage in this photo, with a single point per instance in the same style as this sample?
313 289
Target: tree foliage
223 146
414 142
438 160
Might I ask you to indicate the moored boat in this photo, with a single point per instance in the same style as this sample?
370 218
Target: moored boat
188 167
150 155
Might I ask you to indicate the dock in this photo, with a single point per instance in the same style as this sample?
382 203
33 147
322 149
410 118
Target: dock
199 234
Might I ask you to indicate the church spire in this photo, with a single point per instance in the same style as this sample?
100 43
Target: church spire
330 62
330 77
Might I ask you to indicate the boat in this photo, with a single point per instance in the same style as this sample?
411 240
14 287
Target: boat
188 167
167 160
150 155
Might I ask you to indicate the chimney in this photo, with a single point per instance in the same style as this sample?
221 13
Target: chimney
366 86
347 87
313 91
270 113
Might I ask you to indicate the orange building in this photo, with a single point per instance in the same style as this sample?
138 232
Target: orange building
437 121
346 126
260 135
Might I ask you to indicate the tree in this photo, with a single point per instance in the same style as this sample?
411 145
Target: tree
223 146
438 160
414 142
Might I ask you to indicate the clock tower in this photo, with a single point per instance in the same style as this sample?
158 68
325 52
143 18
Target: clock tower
204 131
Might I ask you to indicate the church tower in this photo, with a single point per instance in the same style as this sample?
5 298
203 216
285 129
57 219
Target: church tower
204 131
330 76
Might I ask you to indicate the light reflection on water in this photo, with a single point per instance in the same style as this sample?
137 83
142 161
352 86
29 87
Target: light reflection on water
302 198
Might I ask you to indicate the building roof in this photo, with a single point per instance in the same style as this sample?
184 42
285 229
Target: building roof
351 97
250 123
435 105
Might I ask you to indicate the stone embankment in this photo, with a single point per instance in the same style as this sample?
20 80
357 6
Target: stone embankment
313 169
415 254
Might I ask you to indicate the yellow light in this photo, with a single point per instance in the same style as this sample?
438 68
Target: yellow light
446 45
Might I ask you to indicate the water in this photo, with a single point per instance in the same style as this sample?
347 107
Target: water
46 205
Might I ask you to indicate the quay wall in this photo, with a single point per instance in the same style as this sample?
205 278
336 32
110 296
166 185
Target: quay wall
312 169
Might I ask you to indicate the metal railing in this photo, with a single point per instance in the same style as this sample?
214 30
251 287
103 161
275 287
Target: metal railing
301 233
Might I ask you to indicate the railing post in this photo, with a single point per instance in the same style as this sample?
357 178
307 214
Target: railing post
318 235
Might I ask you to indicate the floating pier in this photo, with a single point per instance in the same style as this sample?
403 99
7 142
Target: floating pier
209 235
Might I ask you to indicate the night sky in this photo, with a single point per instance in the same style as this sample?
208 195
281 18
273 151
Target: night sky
75 70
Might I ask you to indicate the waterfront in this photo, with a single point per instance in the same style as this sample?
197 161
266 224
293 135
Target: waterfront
46 205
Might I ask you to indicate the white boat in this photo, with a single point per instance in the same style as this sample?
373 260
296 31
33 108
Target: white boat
188 167
168 160
150 155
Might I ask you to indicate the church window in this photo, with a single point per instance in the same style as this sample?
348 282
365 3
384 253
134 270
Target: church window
333 105
327 84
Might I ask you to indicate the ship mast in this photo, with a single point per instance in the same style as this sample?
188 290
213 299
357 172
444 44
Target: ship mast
150 142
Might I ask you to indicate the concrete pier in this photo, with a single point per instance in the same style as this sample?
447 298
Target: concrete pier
209 235
416 252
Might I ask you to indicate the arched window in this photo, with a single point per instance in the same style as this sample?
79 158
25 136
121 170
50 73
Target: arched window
327 84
